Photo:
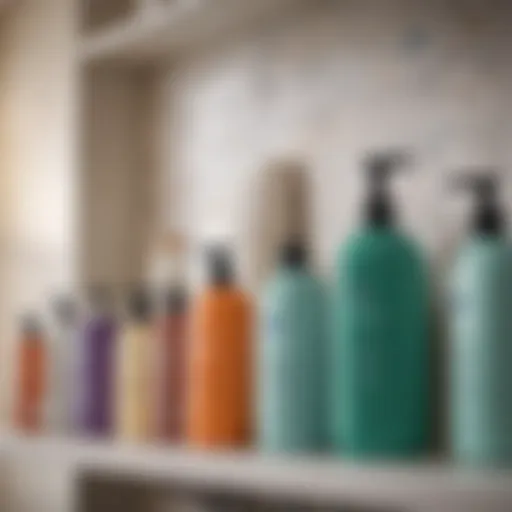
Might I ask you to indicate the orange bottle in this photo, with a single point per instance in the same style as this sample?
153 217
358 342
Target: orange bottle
219 377
31 377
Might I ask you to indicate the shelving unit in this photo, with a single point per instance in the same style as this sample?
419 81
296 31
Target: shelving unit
123 58
314 481
149 34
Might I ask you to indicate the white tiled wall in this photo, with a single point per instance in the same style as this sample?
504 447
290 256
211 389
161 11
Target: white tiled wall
325 83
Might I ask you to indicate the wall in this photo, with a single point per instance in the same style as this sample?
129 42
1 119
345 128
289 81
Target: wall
118 174
325 83
37 212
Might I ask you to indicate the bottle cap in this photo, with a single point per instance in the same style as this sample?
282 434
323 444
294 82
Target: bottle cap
65 309
293 254
31 325
220 266
175 300
99 297
139 305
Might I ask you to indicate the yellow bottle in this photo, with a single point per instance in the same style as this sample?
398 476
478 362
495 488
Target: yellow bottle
133 395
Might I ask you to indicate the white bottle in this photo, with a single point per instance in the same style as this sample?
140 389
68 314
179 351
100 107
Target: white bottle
63 346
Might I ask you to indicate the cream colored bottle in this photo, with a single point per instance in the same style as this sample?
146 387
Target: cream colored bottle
133 396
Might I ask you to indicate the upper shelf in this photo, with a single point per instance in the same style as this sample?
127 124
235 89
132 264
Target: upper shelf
150 35
330 481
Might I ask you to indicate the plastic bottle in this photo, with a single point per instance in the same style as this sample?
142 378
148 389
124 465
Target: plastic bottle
96 374
63 353
292 360
135 365
219 377
481 329
31 376
172 346
380 372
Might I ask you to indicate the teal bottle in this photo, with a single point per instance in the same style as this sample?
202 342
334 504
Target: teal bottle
481 336
379 392
292 359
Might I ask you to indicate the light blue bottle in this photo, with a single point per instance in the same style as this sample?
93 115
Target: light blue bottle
481 330
291 373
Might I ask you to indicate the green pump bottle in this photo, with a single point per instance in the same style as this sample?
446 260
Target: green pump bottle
481 333
380 346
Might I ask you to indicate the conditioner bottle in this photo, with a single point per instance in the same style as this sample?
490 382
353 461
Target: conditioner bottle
292 358
481 328
380 373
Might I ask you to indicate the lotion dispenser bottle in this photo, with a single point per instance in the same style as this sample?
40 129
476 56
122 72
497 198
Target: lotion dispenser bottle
380 352
481 333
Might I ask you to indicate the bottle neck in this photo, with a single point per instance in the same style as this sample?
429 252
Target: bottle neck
488 221
378 211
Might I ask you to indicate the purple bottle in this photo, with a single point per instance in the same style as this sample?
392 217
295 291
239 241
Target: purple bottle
96 407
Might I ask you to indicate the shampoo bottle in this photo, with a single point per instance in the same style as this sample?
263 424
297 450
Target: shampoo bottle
31 369
172 345
134 367
380 351
63 353
96 374
219 376
292 358
481 329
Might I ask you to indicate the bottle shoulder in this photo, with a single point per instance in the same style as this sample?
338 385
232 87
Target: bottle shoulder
292 288
212 299
376 246
293 281
480 255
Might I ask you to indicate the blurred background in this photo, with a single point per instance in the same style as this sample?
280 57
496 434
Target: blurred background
132 132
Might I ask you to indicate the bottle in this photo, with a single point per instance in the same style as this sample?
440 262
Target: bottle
63 352
172 340
31 376
219 376
292 362
134 367
380 351
481 330
96 374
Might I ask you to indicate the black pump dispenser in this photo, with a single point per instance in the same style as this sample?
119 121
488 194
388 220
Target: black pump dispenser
379 166
293 254
220 266
488 217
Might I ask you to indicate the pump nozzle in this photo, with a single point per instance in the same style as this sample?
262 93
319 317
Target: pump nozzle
488 217
379 166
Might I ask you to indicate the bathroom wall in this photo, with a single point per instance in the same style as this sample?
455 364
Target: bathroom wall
323 84
37 148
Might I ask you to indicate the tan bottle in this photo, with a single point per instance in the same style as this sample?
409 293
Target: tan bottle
134 367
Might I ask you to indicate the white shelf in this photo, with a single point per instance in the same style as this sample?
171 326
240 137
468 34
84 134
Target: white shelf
420 486
153 35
